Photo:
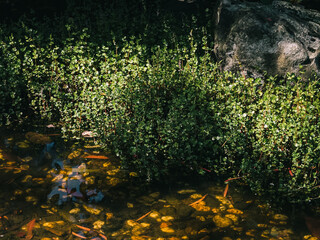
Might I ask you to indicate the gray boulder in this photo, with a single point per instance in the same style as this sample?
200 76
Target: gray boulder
277 38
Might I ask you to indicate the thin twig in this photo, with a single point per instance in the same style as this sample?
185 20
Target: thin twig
191 204
143 216
226 190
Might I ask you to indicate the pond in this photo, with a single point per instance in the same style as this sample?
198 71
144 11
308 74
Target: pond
53 189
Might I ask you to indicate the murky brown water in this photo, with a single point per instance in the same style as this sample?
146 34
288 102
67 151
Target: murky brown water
74 191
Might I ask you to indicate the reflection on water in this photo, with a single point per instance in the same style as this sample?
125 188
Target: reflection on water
52 189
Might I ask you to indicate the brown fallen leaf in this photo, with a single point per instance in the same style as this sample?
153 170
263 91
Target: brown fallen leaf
165 224
30 226
103 236
83 228
78 235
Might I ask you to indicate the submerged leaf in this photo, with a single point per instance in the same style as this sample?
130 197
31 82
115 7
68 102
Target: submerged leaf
30 226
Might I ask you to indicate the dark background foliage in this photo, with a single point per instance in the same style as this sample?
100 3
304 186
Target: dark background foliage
13 9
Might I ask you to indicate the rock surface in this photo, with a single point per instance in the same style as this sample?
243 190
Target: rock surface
277 38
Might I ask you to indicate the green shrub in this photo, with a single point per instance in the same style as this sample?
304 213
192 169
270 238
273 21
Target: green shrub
163 119
286 146
271 135
12 84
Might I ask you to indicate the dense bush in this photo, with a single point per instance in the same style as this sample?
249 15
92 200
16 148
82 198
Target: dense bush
286 146
12 84
271 134
163 116
157 98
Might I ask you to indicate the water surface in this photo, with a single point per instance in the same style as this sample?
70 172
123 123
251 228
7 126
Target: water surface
52 189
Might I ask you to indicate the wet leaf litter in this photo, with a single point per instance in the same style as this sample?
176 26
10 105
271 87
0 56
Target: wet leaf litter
80 192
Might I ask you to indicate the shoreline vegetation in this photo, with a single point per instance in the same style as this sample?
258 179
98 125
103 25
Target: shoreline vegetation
145 81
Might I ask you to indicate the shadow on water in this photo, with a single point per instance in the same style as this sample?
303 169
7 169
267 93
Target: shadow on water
52 189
